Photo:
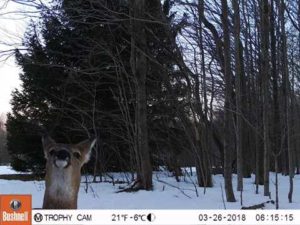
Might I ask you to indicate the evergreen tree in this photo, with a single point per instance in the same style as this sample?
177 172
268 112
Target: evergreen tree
77 82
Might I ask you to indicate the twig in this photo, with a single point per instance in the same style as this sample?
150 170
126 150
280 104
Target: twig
196 190
174 187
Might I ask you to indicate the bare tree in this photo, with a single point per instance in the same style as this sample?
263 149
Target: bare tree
286 93
265 89
238 94
228 117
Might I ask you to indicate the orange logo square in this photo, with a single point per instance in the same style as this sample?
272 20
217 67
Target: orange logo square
15 209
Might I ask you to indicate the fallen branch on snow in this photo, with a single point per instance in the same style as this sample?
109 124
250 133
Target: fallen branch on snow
174 187
258 206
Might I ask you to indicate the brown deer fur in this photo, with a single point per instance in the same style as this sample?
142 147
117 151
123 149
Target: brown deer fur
63 172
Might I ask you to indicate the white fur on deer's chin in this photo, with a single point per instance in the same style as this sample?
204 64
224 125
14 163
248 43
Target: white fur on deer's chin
61 163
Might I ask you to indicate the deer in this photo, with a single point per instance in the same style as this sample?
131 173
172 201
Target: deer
63 172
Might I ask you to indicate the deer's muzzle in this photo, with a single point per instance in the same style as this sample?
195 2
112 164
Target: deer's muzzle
62 159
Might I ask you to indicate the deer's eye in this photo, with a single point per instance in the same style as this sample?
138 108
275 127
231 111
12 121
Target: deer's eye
51 152
77 155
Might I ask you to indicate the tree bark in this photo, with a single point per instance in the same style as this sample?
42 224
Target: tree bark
286 93
238 95
276 135
228 117
139 68
204 175
265 89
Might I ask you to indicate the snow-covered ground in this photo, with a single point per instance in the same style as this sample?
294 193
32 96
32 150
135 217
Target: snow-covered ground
9 170
167 193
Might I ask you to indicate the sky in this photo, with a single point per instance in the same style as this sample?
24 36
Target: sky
12 28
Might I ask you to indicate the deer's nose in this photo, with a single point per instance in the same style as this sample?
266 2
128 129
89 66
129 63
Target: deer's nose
63 155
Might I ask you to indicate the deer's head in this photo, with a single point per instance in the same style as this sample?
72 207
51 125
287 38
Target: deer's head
67 156
63 171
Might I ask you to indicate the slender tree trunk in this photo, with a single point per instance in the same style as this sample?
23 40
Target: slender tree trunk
265 89
238 94
276 134
276 116
228 120
286 93
246 103
257 98
205 178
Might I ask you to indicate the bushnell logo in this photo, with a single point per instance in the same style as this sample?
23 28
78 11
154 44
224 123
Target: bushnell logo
15 210
15 205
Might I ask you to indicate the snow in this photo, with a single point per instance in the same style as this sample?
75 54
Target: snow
167 193
9 170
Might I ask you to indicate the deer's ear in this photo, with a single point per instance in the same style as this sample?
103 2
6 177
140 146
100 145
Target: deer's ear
85 148
48 142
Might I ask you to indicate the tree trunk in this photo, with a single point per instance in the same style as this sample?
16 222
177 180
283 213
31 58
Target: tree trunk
276 134
139 68
238 95
204 175
228 120
286 93
265 89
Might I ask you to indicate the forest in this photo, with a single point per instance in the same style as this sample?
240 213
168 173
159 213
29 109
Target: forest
176 83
